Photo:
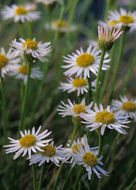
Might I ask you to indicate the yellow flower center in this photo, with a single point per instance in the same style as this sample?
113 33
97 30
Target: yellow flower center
126 19
27 141
59 23
49 150
85 60
104 117
20 11
31 44
79 82
75 147
3 61
89 159
23 69
79 109
129 106
113 23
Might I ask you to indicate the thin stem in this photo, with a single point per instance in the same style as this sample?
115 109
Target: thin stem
4 112
41 177
23 109
96 100
77 179
100 142
66 178
130 187
122 42
34 176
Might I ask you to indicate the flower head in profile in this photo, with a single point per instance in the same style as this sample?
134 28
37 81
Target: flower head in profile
106 36
28 143
20 13
125 106
78 85
49 153
89 160
62 26
123 18
36 49
73 109
20 72
82 63
8 61
102 118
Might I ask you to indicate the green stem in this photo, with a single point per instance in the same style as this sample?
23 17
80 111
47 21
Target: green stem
100 142
34 176
130 70
98 78
130 187
23 109
107 8
122 42
66 178
41 177
4 112
77 179
75 122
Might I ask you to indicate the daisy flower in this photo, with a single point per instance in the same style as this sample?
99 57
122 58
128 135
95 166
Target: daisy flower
123 18
104 118
8 61
20 72
48 2
107 35
125 106
29 142
73 109
20 13
89 160
37 50
61 26
82 63
79 85
70 152
50 152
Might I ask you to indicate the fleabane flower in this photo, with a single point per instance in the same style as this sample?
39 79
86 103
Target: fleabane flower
78 85
89 160
8 61
125 106
20 13
102 118
123 18
62 26
28 143
37 50
73 109
71 152
82 63
107 35
20 72
48 2
50 153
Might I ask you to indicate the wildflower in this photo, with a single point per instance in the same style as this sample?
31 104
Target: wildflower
107 35
79 85
81 63
20 72
62 26
73 109
50 153
20 13
123 18
29 142
7 61
37 50
104 118
125 106
89 160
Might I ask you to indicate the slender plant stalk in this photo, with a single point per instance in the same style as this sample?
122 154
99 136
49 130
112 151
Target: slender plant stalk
4 112
96 93
75 122
100 142
130 70
107 8
130 187
77 179
34 176
122 42
66 178
41 177
23 109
